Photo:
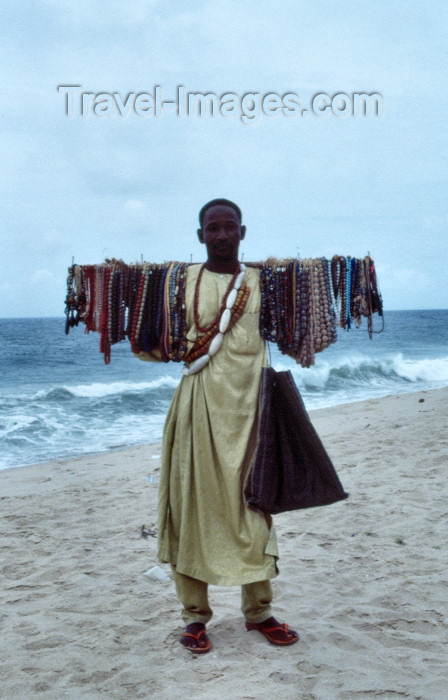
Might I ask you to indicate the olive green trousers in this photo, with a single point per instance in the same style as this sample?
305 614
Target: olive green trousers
256 599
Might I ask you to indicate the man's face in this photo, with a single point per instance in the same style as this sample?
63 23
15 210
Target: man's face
221 232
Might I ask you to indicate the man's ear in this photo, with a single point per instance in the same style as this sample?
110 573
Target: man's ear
200 235
243 232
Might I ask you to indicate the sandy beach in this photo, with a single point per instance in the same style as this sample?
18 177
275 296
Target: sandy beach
363 581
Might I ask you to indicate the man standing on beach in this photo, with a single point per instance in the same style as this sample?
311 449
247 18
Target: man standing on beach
206 531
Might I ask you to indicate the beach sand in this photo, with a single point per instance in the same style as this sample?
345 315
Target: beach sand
363 581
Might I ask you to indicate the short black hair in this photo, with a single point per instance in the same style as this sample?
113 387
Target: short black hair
219 202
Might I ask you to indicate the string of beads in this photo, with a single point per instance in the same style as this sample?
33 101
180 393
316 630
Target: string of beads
210 338
302 303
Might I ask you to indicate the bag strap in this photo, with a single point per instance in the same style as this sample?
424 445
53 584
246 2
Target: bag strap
269 353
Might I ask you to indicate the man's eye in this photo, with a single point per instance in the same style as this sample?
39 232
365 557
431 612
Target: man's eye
227 227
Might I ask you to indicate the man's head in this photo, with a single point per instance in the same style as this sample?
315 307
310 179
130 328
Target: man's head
221 232
222 202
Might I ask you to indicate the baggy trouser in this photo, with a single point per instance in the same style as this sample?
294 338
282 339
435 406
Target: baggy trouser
256 599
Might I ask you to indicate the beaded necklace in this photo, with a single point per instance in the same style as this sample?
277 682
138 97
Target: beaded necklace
166 325
122 303
173 342
202 343
342 292
232 305
268 320
135 327
71 301
146 340
104 340
204 329
100 272
348 288
179 316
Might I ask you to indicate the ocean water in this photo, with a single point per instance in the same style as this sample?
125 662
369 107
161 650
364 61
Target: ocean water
58 399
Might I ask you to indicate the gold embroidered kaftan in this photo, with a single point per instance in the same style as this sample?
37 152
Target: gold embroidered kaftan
205 528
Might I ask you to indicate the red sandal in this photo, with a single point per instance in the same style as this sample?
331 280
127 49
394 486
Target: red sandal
197 637
290 637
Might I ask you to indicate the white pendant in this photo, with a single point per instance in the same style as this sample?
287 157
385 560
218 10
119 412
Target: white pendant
215 344
197 365
239 280
225 320
231 299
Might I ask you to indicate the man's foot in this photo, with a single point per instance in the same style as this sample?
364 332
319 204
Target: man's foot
276 633
195 638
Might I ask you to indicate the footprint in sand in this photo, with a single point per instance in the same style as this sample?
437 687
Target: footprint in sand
289 678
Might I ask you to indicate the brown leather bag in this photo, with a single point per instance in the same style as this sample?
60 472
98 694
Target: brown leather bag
291 469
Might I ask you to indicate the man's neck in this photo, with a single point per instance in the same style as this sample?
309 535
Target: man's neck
223 267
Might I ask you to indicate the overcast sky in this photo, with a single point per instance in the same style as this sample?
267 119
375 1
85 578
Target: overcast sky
105 185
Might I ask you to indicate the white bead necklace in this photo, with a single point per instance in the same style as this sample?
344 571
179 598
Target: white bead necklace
224 321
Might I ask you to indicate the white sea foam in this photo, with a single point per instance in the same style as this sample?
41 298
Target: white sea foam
355 368
99 390
426 370
16 422
365 369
